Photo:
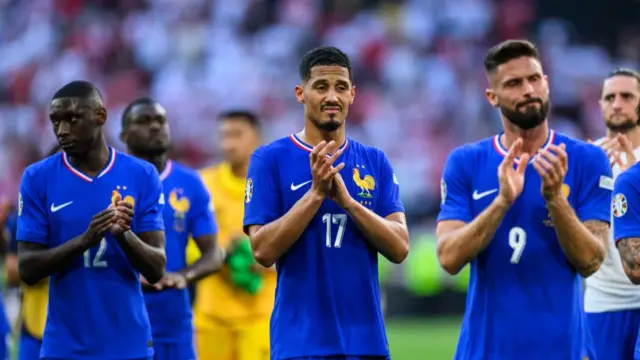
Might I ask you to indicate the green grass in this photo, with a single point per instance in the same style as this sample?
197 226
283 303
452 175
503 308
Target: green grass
428 338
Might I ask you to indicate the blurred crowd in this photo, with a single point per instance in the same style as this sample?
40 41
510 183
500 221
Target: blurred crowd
417 66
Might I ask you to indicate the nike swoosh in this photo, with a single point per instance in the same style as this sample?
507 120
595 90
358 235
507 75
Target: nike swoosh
296 187
478 196
56 208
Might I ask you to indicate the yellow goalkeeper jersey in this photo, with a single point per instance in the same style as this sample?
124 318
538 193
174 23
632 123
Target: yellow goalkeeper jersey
34 307
216 298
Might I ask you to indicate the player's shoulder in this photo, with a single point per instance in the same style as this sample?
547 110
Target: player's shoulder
363 148
473 151
630 176
185 173
578 146
43 166
134 166
273 150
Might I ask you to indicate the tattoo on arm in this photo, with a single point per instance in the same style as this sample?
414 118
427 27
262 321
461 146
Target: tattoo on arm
629 250
600 230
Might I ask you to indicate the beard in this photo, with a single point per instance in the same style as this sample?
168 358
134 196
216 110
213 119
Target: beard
622 127
332 125
530 117
148 150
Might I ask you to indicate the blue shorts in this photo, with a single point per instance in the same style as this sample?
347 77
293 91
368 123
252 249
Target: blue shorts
615 334
28 347
174 351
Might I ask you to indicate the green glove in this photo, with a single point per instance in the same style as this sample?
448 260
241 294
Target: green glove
240 263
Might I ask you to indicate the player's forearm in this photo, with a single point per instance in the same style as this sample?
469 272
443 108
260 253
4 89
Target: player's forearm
36 262
456 248
388 237
275 238
584 249
209 262
149 260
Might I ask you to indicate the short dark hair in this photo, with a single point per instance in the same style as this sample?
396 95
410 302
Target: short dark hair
241 115
625 72
323 56
134 103
78 89
507 51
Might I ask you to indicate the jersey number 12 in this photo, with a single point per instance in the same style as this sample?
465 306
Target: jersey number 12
517 241
335 219
97 261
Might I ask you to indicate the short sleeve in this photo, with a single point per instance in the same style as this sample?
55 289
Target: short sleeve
148 212
594 198
33 220
389 201
625 207
455 201
201 219
262 203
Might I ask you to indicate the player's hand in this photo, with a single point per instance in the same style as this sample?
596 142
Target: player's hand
173 280
322 169
339 193
123 216
100 223
615 147
552 165
512 180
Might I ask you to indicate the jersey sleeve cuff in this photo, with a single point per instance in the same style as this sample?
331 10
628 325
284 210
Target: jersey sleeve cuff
635 233
389 211
451 217
33 239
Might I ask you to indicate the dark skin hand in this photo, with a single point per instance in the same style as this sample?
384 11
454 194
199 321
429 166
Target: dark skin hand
38 261
146 251
210 261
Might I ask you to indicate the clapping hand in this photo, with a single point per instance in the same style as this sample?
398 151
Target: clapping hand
123 215
322 169
552 165
512 180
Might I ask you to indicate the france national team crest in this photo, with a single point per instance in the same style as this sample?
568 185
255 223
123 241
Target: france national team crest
180 205
365 182
128 199
619 205
248 190
566 190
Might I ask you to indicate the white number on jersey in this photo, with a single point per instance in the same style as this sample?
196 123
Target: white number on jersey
97 262
517 241
335 219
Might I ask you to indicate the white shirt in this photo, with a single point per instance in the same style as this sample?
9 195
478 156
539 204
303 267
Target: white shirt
609 289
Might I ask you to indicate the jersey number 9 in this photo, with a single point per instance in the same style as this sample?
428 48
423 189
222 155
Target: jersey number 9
98 261
517 241
335 219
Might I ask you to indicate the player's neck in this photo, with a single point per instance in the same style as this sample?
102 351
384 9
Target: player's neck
158 161
239 171
93 161
533 139
632 134
312 136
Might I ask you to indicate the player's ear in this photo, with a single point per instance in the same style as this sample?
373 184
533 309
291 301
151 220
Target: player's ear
491 97
123 136
101 114
299 94
353 94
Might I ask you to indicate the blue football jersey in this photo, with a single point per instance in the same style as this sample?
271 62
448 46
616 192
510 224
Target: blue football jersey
625 204
524 299
96 306
327 296
188 211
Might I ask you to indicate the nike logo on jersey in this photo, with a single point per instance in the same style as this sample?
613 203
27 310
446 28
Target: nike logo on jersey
55 208
296 187
478 196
